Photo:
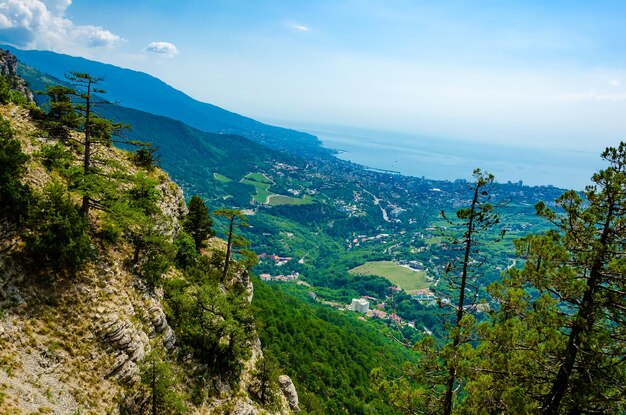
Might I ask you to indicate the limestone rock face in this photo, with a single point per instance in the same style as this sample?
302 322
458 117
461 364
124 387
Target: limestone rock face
160 326
173 206
129 342
289 390
8 68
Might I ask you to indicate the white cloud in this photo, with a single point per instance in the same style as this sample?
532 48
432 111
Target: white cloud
57 6
615 83
42 24
301 28
162 48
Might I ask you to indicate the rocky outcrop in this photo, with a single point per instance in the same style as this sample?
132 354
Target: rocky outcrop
8 69
289 390
160 326
173 207
130 345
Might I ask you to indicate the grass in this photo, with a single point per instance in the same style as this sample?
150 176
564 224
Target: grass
221 178
261 184
405 278
276 200
263 195
259 177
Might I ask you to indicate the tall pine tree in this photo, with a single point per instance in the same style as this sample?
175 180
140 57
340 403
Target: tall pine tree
558 342
198 223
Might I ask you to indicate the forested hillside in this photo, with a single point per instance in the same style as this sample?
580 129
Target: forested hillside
378 293
114 296
328 355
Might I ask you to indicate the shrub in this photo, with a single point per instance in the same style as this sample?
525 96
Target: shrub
57 236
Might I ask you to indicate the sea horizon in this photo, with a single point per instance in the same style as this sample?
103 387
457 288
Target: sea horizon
445 159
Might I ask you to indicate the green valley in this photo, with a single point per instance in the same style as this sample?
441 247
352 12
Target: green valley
327 232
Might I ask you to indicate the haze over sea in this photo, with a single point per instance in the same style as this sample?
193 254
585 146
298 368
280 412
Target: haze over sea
445 159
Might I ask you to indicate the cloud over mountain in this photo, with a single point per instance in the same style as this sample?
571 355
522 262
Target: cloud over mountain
162 48
42 24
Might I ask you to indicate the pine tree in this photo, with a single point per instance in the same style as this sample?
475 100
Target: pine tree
478 218
235 243
266 372
158 377
76 108
61 117
438 379
198 223
558 340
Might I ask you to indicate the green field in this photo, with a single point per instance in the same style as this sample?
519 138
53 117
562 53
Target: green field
276 200
264 196
258 177
261 184
403 277
221 178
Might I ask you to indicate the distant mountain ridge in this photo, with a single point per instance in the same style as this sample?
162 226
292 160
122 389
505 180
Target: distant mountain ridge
191 156
141 91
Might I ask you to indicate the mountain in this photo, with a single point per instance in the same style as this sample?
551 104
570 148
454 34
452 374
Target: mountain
216 167
79 311
144 92
191 156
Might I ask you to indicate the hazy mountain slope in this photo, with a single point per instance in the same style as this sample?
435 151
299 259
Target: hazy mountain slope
191 156
144 92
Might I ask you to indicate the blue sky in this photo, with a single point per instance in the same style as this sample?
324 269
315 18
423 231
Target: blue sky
533 73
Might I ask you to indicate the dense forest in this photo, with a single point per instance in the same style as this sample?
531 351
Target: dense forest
328 355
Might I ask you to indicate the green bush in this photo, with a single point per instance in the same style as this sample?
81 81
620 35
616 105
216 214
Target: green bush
14 196
7 94
57 234
157 255
186 254
55 156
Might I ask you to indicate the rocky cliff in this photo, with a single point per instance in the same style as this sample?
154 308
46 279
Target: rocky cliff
8 69
77 345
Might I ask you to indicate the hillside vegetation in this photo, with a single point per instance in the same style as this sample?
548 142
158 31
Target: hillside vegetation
107 303
524 311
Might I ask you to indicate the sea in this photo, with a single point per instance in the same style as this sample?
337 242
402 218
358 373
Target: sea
446 159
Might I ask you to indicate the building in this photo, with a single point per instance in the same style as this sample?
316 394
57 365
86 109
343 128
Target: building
379 314
424 295
360 305
265 277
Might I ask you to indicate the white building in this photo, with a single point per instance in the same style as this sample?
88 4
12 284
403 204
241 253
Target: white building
360 305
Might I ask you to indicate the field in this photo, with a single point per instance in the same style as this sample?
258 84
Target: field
275 200
405 278
264 196
261 184
258 177
221 178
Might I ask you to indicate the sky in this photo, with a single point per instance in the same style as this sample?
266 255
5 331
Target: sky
532 73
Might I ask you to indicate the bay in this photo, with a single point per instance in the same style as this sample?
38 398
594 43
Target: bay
444 159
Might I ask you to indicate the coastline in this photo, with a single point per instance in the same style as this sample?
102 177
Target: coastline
449 161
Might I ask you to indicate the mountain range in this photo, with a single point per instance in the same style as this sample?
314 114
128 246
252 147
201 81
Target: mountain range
140 91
